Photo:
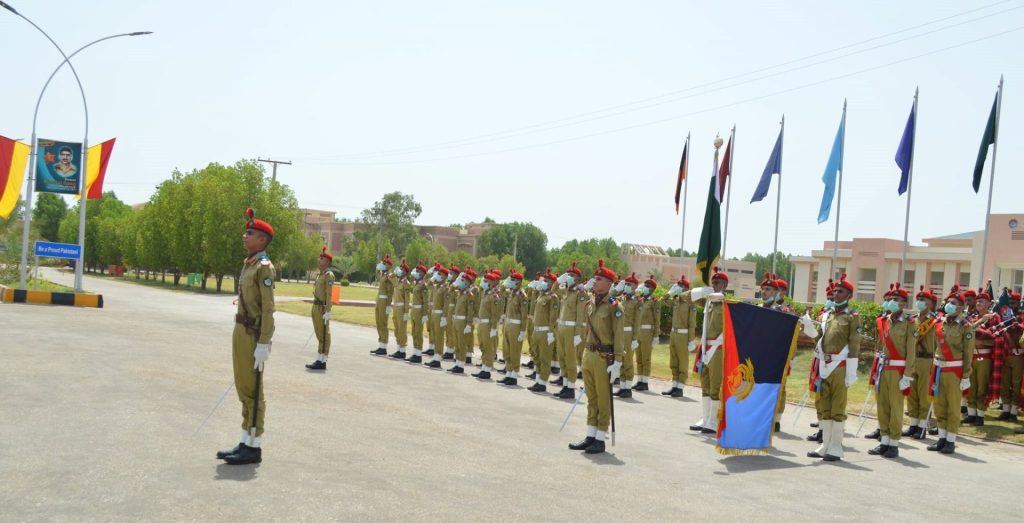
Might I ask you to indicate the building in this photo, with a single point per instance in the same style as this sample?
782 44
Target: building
334 233
649 259
872 263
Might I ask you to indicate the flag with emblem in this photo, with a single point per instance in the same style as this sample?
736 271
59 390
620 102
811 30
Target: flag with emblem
758 344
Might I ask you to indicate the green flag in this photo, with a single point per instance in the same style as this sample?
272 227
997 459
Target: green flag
711 236
987 139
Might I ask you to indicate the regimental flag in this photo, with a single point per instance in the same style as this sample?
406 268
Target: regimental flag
13 159
724 172
834 165
758 345
905 152
989 138
774 167
683 164
98 157
711 235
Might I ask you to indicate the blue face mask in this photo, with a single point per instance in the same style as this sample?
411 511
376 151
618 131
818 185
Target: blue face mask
838 304
399 272
920 305
460 284
570 281
829 304
437 277
950 309
542 285
892 306
509 284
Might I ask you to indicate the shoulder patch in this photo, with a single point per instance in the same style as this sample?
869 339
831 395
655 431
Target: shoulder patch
618 313
265 261
267 282
969 335
583 297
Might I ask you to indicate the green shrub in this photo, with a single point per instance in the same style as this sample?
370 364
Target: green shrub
344 283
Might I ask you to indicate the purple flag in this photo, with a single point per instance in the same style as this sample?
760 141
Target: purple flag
905 152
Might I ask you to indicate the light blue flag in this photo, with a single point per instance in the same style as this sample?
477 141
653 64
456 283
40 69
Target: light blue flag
835 161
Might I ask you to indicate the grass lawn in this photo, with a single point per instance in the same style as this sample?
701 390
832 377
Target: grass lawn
41 285
281 288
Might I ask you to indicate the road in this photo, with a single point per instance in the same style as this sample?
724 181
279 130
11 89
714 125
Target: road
101 407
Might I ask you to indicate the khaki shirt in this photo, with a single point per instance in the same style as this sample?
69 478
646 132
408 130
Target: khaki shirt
322 289
385 287
466 304
648 312
684 315
491 305
419 296
438 295
716 322
841 330
628 305
545 313
959 335
400 296
902 331
517 307
604 319
573 308
924 335
256 294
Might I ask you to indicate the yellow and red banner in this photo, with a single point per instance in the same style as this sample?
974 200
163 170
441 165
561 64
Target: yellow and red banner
13 159
96 170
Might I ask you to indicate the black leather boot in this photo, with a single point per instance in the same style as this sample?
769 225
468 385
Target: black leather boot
482 375
415 359
624 393
815 437
595 448
221 454
316 365
398 355
879 450
566 394
538 387
877 434
379 351
245 455
583 445
938 445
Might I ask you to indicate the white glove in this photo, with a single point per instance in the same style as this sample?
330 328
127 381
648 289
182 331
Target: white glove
965 383
716 296
614 370
423 319
551 338
576 340
905 382
444 321
476 321
700 292
387 310
261 355
405 317
327 316
634 344
692 346
467 330
808 324
851 371
494 333
522 336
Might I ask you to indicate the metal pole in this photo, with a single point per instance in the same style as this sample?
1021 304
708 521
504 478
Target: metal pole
778 193
686 185
839 196
82 205
910 184
728 190
991 181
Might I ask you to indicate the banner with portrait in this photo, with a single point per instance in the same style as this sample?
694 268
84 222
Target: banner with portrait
58 166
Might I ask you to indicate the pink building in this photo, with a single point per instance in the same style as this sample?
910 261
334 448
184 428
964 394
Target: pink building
651 259
333 233
873 263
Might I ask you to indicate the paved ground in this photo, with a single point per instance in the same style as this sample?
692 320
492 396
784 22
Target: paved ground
101 408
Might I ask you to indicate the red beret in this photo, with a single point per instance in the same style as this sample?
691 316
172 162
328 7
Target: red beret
780 283
387 260
493 275
603 271
845 284
574 269
719 275
683 281
257 224
650 282
515 275
420 267
897 291
405 266
455 269
768 281
927 295
470 273
970 293
440 268
955 294
1015 296
550 275
325 254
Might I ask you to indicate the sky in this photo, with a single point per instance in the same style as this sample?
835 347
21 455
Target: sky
570 115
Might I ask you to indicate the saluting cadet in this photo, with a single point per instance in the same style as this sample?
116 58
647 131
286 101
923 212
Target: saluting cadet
488 315
418 310
250 342
570 328
453 297
545 316
602 360
951 370
896 346
466 306
517 310
385 289
646 326
709 358
681 338
836 370
626 295
400 307
321 311
438 318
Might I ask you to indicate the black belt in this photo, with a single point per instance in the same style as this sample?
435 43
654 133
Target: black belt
318 302
604 349
248 323
924 355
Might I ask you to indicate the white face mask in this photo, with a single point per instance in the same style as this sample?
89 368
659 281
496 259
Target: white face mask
628 289
675 290
437 277
416 275
510 283
399 272
589 285
382 267
542 285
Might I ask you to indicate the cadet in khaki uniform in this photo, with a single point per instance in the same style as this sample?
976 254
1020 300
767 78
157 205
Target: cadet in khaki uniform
572 309
951 370
918 403
602 361
419 301
531 294
487 318
385 288
517 310
984 324
545 316
646 327
897 356
1013 368
321 312
453 296
438 315
836 370
250 342
400 307
709 357
626 290
681 341
466 305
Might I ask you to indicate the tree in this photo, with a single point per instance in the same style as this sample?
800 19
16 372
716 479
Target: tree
419 249
103 227
47 214
392 218
764 264
343 266
525 240
586 253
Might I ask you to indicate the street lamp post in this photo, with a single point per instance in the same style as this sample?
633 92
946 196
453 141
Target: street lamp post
23 276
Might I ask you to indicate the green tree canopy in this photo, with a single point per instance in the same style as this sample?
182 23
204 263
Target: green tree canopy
47 214
525 240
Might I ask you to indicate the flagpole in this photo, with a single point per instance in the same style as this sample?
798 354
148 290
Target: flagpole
728 189
839 196
991 181
910 184
686 185
778 193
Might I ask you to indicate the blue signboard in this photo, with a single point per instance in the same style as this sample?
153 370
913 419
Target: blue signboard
68 251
